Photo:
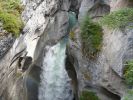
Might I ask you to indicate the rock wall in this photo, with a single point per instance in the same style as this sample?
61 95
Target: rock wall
46 23
105 73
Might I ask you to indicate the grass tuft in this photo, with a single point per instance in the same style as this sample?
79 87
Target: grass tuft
117 19
91 34
10 12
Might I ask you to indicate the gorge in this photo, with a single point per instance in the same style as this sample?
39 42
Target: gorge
66 50
55 81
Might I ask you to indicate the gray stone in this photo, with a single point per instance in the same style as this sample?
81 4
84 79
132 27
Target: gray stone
93 8
46 23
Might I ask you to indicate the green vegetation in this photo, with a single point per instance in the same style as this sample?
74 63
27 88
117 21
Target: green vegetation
11 23
88 95
118 18
10 11
91 34
128 96
128 72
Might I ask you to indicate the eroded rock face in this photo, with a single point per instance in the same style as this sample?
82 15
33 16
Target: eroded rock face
118 48
106 70
93 8
46 23
112 59
119 4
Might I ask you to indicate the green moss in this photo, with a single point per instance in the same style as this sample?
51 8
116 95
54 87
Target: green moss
128 72
87 95
118 18
10 11
91 34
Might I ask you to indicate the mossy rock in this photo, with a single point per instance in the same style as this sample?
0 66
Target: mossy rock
88 95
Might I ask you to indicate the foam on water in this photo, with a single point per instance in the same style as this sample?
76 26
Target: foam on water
55 83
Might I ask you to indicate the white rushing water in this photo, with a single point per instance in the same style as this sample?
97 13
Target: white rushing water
55 83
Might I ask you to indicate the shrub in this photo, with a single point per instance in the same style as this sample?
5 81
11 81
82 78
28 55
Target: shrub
11 5
118 18
128 73
91 34
87 95
11 23
10 11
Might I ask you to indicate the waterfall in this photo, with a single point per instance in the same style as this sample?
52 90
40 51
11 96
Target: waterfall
55 83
